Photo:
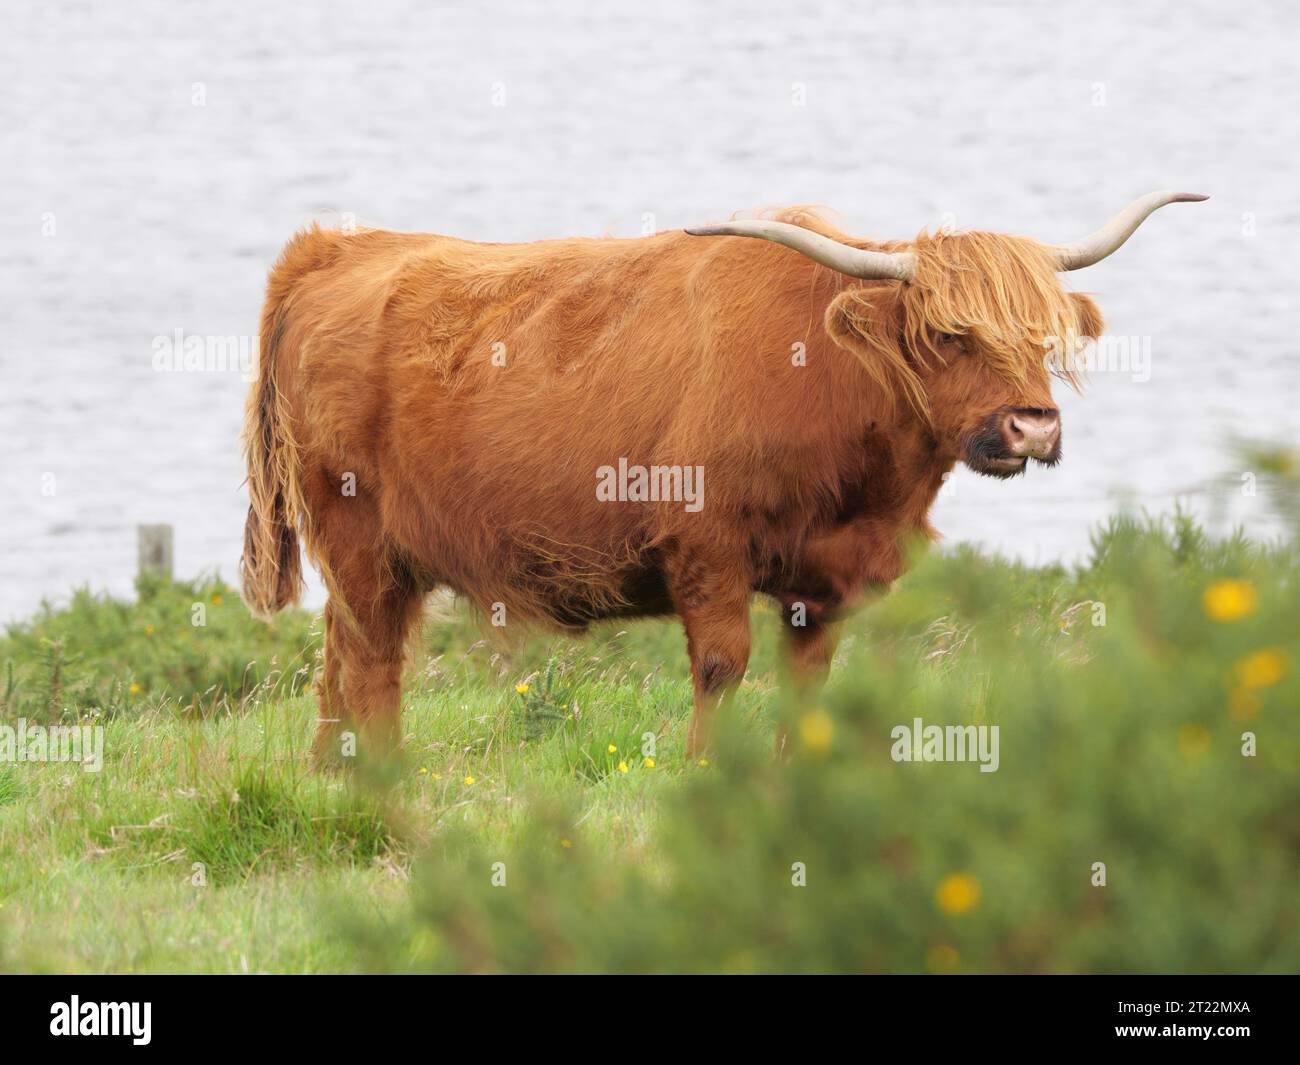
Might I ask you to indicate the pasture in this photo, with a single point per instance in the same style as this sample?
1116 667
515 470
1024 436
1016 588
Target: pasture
1144 814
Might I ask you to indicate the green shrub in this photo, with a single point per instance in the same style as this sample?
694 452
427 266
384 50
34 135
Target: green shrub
1127 695
110 655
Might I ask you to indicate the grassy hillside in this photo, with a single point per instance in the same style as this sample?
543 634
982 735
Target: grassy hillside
544 817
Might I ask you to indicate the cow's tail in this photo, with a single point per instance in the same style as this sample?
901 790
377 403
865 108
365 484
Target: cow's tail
271 569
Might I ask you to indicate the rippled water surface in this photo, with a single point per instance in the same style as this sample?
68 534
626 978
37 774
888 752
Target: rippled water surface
129 212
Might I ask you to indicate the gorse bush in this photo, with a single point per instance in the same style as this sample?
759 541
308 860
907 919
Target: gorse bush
1144 814
189 642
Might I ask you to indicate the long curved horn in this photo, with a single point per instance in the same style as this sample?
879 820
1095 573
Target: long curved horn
856 262
1095 247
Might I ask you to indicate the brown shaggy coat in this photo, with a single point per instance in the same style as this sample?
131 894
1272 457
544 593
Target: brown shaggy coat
433 412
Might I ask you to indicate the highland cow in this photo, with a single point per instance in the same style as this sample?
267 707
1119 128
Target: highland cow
431 412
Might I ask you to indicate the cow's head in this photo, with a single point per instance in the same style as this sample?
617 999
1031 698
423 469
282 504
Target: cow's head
967 347
963 332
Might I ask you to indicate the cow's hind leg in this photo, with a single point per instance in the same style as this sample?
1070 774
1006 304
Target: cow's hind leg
375 597
361 688
333 720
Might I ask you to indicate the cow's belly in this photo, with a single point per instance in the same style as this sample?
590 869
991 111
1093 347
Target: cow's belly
643 593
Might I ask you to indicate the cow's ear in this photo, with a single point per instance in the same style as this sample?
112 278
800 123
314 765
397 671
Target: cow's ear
868 322
1088 315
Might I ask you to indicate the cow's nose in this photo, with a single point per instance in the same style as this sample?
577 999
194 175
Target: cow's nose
1032 433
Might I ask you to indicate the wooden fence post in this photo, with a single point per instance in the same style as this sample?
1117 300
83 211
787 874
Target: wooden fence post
155 550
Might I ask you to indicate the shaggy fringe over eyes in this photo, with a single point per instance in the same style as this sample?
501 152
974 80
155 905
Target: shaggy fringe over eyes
1001 292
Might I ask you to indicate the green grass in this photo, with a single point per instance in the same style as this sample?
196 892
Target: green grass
98 868
207 844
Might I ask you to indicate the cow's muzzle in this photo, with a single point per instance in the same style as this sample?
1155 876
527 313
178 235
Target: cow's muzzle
1009 438
1032 434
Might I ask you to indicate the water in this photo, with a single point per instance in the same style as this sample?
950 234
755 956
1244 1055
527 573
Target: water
130 212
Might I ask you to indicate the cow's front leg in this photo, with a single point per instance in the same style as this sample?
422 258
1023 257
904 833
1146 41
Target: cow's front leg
809 645
715 614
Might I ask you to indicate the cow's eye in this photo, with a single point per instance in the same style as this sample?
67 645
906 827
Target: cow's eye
949 338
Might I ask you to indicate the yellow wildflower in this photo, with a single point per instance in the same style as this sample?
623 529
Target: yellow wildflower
942 959
622 767
1229 600
469 781
1263 668
135 688
649 763
957 893
522 689
612 749
816 730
